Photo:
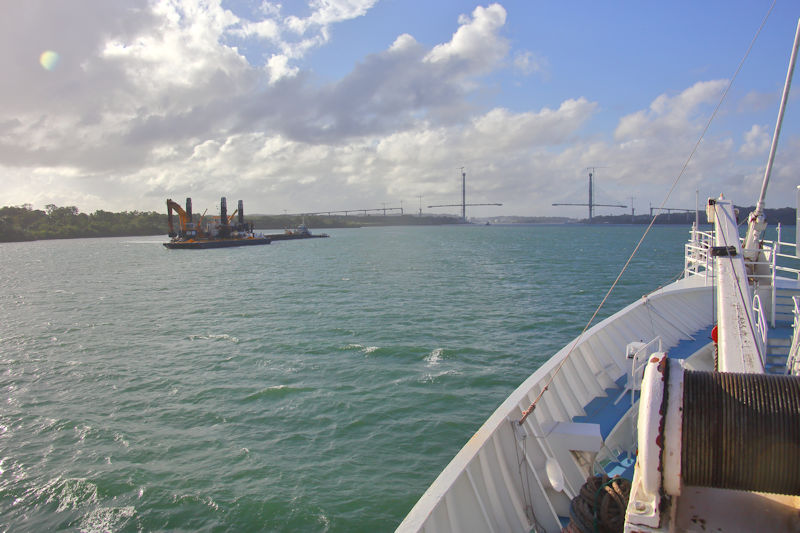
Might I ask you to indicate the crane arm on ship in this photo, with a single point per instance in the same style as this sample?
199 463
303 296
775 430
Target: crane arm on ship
182 217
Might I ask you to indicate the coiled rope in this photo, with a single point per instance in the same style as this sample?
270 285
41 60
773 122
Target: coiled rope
599 506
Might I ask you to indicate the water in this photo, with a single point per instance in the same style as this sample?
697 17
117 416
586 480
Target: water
313 385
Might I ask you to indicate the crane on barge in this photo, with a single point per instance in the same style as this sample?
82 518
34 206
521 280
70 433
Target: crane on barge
219 233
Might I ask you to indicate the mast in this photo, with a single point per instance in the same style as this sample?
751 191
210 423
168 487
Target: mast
757 224
463 194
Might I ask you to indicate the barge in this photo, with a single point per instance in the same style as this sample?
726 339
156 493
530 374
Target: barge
219 232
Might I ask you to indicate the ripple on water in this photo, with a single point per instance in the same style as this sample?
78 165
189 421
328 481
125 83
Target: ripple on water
314 386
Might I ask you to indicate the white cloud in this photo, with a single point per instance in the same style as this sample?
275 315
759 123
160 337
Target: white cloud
162 103
183 50
293 36
527 63
543 128
279 68
476 41
403 43
756 142
267 29
328 12
670 116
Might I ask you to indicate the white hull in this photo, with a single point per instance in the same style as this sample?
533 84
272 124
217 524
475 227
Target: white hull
499 479
715 439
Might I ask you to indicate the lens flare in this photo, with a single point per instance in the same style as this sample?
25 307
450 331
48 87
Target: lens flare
48 59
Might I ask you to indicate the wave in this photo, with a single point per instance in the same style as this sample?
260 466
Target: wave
435 357
212 337
276 391
66 493
107 519
361 348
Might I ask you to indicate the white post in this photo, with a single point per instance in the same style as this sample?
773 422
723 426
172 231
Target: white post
797 226
776 249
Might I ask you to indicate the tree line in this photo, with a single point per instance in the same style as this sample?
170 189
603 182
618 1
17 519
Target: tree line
781 215
23 223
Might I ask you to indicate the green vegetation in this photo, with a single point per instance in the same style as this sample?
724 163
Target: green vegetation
23 223
782 215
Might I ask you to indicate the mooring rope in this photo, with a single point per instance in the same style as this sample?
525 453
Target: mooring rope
599 506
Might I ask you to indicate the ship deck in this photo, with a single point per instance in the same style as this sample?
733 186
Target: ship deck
221 243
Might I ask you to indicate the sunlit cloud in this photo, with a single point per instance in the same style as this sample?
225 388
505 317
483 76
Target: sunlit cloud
181 97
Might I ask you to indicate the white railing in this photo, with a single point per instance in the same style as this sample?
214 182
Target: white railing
761 326
698 261
793 360
638 353
780 260
774 292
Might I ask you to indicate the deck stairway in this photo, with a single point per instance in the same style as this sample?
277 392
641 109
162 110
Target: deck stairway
778 343
779 338
784 307
607 410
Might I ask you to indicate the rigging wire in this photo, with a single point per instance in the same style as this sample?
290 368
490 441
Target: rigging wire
532 406
525 480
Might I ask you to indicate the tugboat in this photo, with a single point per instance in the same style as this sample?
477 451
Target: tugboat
219 233
301 232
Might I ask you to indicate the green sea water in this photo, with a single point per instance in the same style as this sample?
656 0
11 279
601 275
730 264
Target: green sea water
315 385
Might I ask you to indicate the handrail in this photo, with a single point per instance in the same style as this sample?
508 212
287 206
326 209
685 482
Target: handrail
639 359
773 292
793 361
761 326
698 262
639 354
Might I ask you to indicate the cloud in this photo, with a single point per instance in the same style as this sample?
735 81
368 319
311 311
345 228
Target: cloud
165 99
527 63
328 12
279 68
291 36
384 92
670 116
169 72
756 142
476 45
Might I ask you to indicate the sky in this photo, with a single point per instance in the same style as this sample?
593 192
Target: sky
321 105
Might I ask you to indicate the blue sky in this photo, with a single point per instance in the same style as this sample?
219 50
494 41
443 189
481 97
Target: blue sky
347 104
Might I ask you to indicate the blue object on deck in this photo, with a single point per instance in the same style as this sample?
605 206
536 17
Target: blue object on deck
608 410
623 467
